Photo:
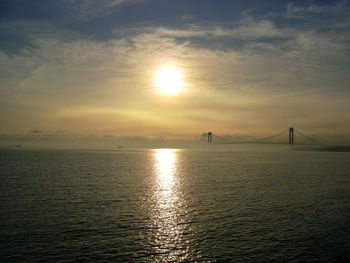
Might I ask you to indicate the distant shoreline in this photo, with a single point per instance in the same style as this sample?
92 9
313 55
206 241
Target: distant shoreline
326 148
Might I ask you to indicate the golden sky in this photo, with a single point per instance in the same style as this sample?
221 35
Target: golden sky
95 72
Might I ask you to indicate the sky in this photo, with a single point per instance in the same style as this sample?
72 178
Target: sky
85 72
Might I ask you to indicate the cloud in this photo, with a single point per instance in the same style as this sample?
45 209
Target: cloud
248 29
89 9
187 17
300 11
241 77
269 54
36 131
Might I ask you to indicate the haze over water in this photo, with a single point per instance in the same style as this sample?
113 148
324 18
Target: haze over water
172 205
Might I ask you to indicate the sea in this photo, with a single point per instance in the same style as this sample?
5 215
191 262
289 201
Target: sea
231 204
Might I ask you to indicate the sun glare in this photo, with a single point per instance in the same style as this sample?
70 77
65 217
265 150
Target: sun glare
169 80
166 166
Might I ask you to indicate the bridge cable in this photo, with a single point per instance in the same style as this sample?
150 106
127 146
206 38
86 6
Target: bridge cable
252 141
310 138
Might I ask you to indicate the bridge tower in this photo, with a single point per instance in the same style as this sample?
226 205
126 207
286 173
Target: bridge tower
210 137
291 136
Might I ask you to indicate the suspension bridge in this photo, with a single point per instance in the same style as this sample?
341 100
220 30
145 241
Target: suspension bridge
291 134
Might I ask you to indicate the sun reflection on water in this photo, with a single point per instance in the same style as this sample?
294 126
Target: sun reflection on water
168 238
166 165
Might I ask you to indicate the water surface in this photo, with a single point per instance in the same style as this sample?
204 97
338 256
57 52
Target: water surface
168 205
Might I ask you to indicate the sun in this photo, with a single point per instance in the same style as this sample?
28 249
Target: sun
169 80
